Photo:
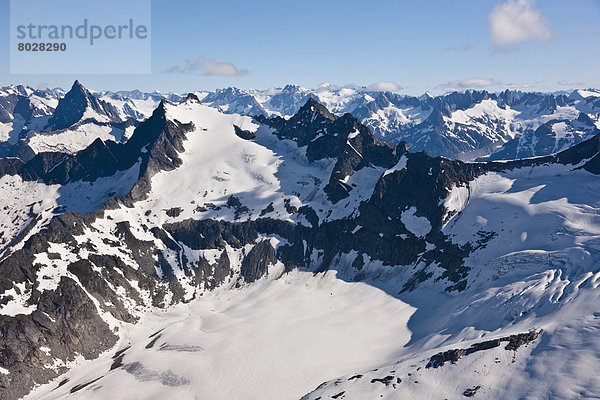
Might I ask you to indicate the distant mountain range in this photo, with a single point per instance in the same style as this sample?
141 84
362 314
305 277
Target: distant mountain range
467 126
34 121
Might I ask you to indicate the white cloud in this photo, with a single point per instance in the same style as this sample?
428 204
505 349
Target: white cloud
517 21
207 67
469 84
567 83
522 86
384 86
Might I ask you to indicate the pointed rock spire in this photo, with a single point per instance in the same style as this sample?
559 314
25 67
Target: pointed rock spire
73 105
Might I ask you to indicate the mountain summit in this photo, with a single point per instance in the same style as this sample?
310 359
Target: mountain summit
79 104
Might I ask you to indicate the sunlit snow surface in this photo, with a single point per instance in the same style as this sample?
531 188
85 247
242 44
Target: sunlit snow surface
541 270
257 172
273 340
74 139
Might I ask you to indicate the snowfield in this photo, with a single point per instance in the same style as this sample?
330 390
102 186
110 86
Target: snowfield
74 139
273 340
539 269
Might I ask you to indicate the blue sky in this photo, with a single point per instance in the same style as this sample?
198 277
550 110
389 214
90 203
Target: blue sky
413 46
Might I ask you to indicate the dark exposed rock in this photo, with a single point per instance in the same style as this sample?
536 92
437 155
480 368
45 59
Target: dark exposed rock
310 121
22 151
174 212
386 381
244 134
239 209
514 342
100 289
310 215
210 234
489 344
257 261
63 382
470 392
156 333
10 166
14 104
192 97
288 207
77 388
212 275
152 342
118 358
267 210
440 359
65 321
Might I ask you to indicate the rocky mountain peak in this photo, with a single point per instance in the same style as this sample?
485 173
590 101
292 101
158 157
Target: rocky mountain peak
312 110
78 86
73 106
192 97
291 89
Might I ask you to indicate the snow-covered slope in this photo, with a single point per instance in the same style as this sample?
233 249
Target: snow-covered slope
27 206
22 108
537 276
550 134
248 343
238 256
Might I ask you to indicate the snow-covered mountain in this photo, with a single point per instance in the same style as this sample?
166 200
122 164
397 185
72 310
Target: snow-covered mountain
36 121
20 107
135 103
467 126
78 119
215 255
575 120
457 125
